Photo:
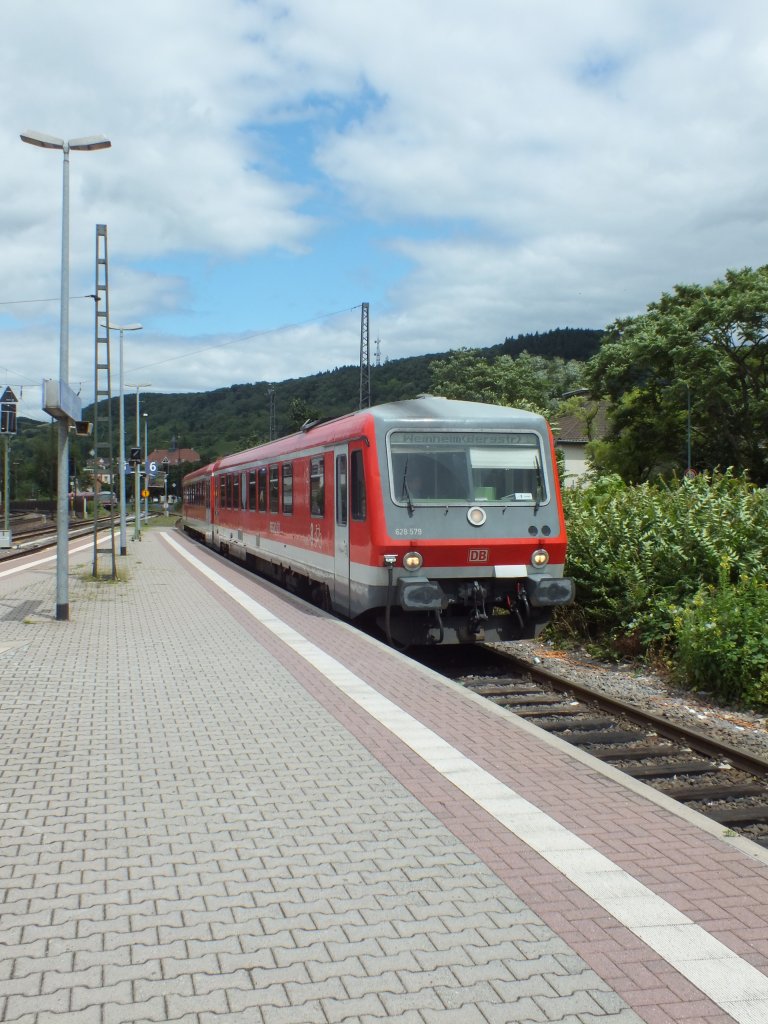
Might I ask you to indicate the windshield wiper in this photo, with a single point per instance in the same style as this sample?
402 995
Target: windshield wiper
404 492
539 485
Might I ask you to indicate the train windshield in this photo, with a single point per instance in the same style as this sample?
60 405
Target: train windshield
458 466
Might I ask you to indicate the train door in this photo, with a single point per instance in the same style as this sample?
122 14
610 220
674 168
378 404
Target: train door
341 531
217 487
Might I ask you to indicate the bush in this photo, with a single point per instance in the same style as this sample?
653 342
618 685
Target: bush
640 553
722 645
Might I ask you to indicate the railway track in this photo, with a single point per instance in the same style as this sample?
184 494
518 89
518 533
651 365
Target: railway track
727 785
35 536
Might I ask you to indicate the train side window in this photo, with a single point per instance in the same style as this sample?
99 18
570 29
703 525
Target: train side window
251 490
287 488
222 491
274 489
317 486
262 489
341 490
235 490
357 485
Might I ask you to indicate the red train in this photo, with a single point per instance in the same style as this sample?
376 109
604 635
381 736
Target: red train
439 521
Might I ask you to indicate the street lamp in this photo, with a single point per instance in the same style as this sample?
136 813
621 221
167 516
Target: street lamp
574 392
689 470
65 405
122 328
146 465
136 469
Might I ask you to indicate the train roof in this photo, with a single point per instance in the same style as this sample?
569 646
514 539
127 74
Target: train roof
425 409
432 408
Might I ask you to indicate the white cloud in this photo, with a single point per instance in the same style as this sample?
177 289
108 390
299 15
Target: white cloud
481 170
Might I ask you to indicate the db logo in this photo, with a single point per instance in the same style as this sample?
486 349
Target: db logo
478 554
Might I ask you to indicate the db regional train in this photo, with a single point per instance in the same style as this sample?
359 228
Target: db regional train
438 521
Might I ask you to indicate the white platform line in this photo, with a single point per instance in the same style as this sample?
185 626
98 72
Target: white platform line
727 979
42 561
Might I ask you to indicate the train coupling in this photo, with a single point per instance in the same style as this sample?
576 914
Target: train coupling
419 594
547 591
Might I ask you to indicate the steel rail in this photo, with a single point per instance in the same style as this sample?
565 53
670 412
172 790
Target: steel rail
670 730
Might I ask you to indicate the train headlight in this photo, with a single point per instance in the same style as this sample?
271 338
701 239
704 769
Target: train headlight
412 561
476 515
539 558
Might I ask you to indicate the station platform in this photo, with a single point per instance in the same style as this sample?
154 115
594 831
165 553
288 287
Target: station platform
220 805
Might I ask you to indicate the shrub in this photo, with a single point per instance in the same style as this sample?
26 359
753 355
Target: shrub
640 553
722 644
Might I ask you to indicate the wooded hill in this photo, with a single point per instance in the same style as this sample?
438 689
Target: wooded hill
229 419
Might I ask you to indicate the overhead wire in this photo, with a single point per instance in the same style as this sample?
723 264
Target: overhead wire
19 302
208 348
247 337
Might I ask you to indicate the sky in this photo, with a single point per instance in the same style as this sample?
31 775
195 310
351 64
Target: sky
473 171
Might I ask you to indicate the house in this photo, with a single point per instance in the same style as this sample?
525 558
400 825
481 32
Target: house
173 456
573 432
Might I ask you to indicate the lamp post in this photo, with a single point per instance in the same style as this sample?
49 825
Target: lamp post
146 465
85 144
688 432
137 470
122 328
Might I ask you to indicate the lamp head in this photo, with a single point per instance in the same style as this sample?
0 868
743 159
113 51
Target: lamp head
44 141
90 142
87 142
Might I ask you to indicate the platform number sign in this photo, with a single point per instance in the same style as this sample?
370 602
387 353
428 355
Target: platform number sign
8 403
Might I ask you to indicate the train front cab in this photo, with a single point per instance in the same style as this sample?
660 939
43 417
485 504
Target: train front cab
475 539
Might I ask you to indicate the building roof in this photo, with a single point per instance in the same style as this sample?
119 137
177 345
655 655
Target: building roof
576 428
175 456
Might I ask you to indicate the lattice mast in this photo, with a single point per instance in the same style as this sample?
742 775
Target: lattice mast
102 406
365 359
272 412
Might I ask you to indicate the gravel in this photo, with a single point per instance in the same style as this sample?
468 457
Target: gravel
650 691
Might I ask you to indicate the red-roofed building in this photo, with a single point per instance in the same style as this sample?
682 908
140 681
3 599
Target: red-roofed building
173 456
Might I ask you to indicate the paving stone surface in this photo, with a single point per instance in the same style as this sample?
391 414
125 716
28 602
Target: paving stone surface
188 836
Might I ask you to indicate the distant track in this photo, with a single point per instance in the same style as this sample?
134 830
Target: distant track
41 537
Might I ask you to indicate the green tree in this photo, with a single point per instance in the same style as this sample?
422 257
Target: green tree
299 412
700 347
34 456
526 382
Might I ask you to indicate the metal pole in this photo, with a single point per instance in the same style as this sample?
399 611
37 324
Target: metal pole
688 389
91 142
7 486
137 478
62 495
146 467
121 427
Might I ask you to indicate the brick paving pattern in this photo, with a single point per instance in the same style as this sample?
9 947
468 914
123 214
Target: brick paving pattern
189 836
689 866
